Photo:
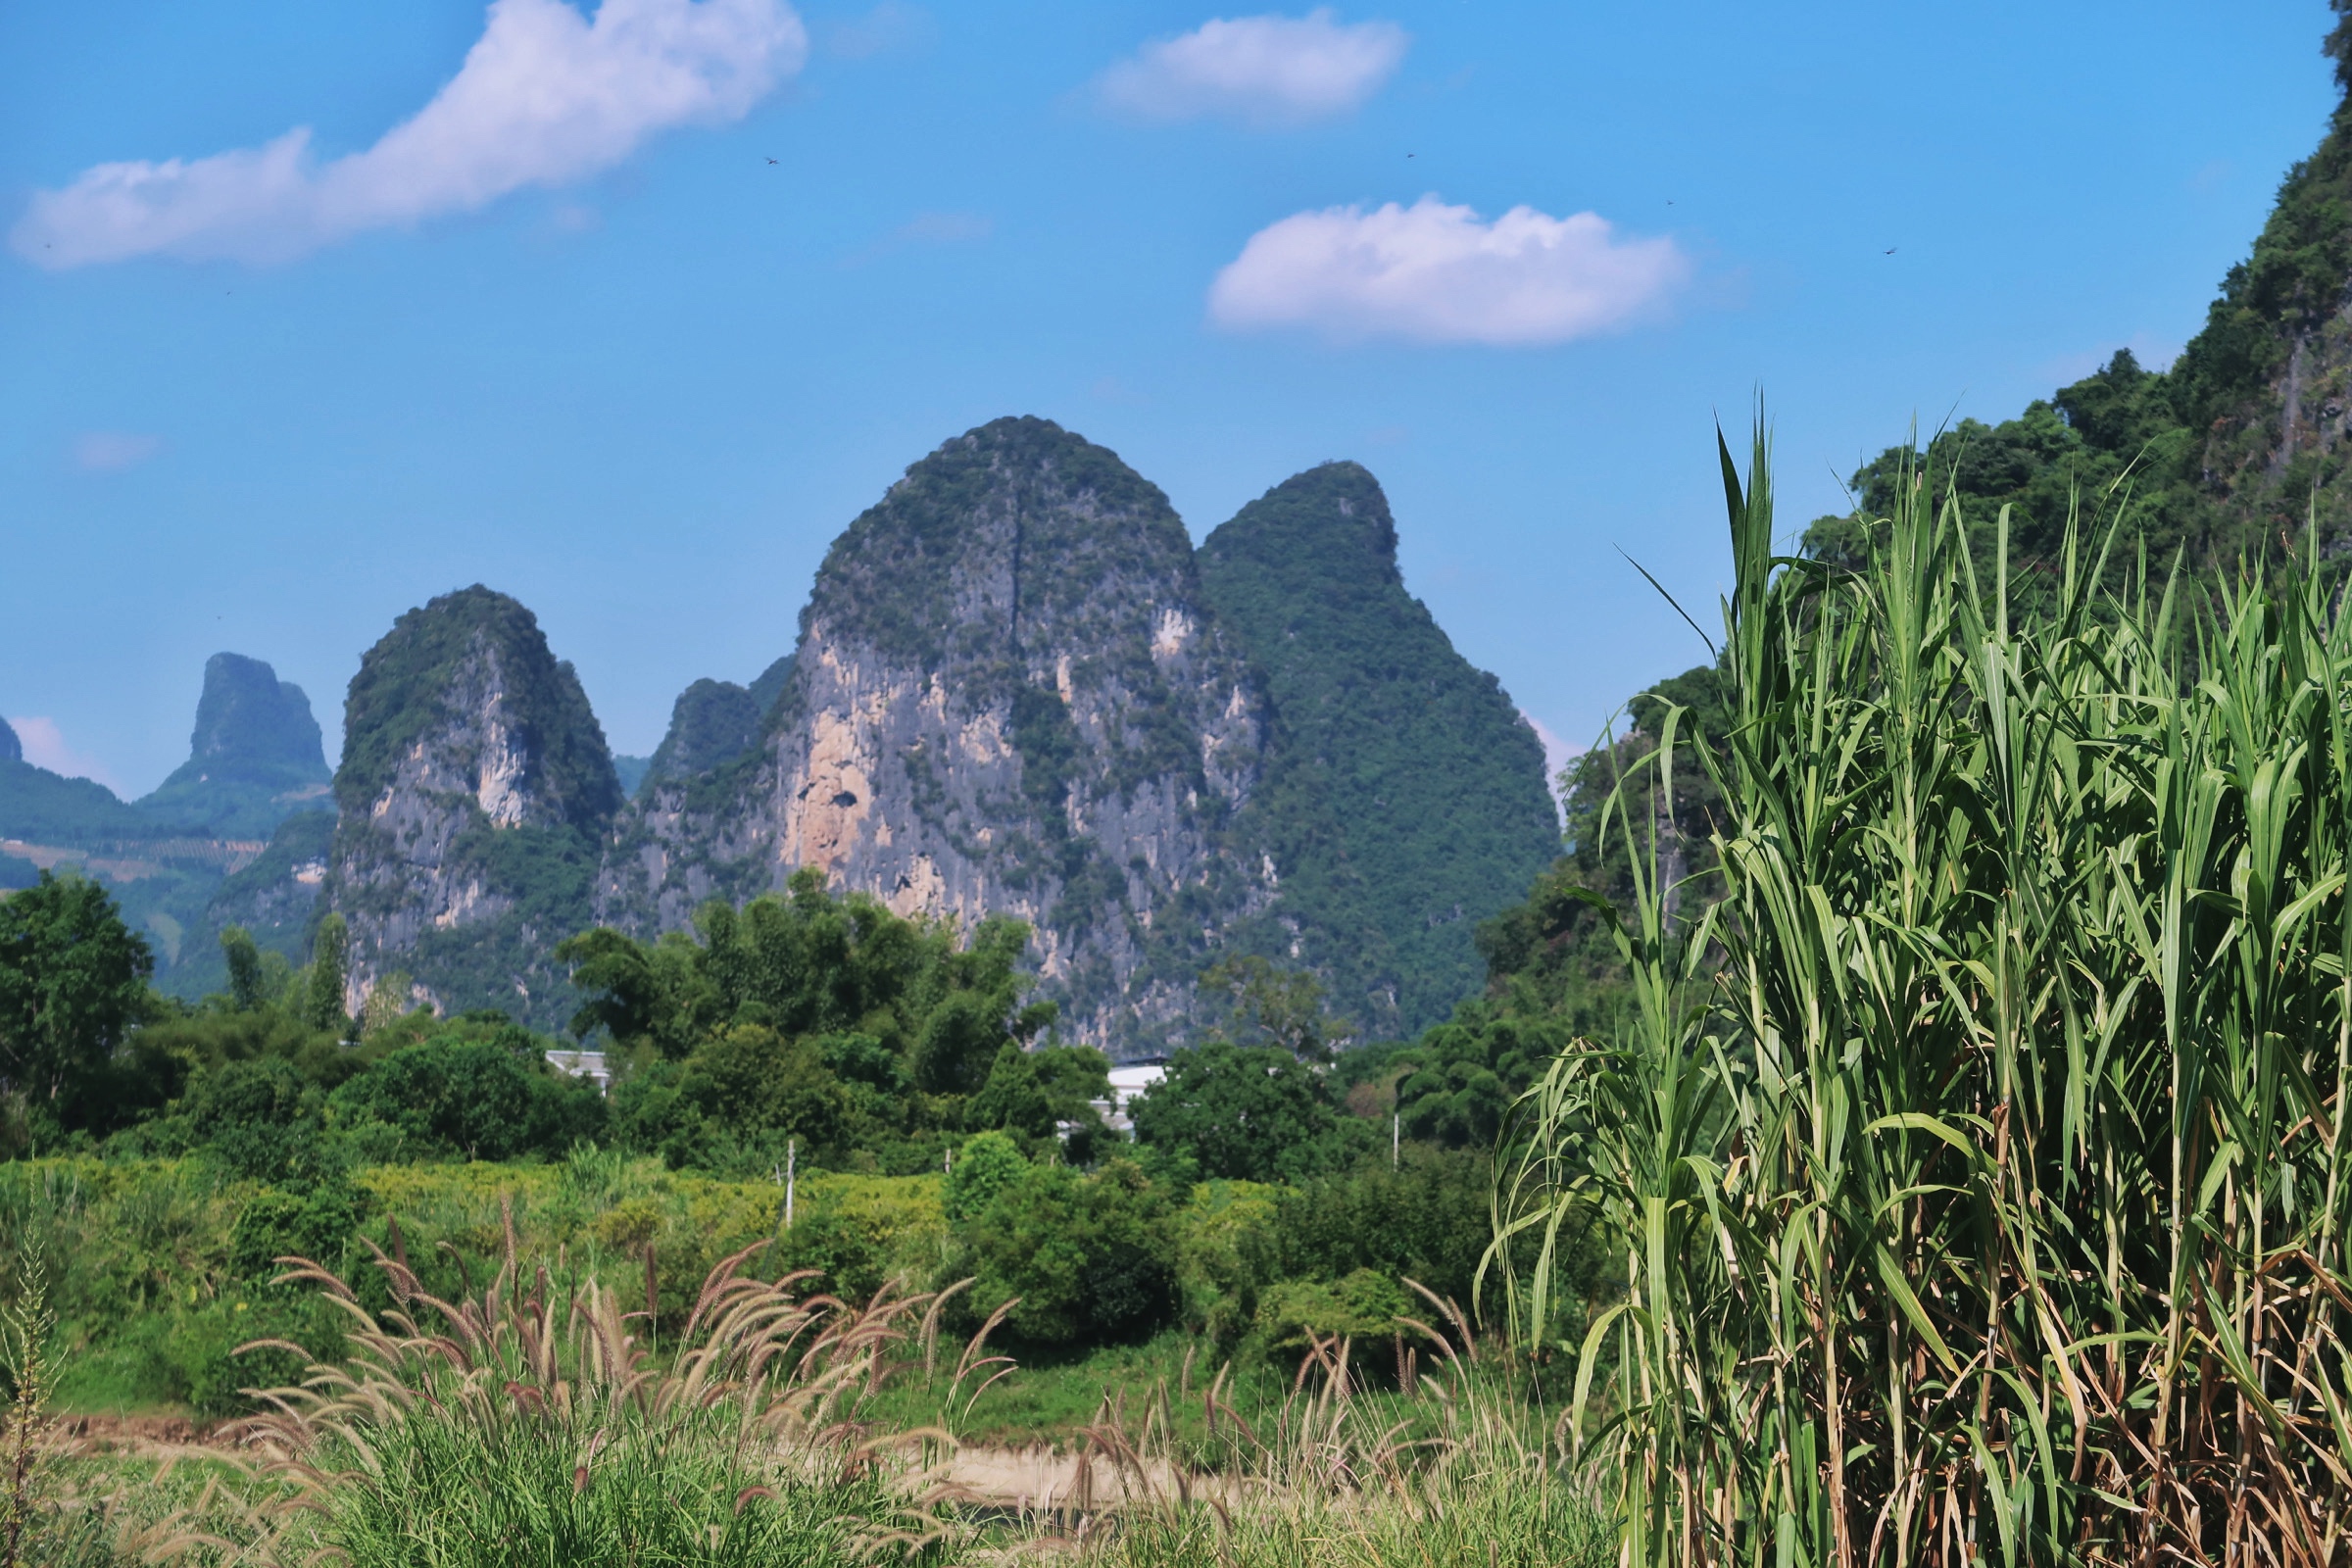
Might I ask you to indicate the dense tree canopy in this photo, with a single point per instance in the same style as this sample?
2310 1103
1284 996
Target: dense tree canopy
72 985
827 1021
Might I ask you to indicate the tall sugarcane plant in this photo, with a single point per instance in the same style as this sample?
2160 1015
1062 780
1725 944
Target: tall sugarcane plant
1976 1144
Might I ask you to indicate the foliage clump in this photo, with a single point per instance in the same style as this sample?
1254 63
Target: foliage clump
1971 1149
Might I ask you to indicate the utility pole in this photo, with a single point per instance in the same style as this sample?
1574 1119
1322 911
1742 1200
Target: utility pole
791 1155
1396 1138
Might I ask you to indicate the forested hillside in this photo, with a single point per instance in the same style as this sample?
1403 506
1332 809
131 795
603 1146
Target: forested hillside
2223 456
1404 798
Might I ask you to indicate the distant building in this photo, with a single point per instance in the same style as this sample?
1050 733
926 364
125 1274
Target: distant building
582 1065
1126 1082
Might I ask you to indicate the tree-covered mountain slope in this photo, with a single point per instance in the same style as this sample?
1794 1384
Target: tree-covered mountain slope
1008 698
714 723
473 802
45 808
254 759
1404 798
2225 455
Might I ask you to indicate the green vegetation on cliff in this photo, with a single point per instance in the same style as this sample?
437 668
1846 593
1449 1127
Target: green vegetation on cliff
1404 800
417 681
2221 458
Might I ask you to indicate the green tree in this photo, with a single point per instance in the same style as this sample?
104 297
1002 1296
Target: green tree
1033 1092
1284 1006
480 1098
984 1166
1089 1255
243 955
1248 1114
330 967
72 985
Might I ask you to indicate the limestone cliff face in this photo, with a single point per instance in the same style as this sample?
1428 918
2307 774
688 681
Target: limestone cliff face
474 790
1008 699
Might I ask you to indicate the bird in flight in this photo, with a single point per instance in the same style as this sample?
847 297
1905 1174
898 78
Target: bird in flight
772 160
1891 249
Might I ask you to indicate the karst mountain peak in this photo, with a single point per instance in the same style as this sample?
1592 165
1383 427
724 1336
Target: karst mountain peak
1015 690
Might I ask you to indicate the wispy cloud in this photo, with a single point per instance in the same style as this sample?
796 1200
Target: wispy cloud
1261 71
546 96
926 228
45 747
888 27
1434 273
946 228
110 451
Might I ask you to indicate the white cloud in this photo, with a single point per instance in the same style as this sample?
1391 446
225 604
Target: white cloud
1434 273
45 747
545 96
888 26
1260 70
108 450
1557 753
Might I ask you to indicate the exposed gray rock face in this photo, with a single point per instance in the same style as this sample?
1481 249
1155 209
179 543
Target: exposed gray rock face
1008 699
474 790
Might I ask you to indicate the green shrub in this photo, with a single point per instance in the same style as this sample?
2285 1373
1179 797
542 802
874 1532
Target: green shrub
482 1099
1364 1307
1249 1114
1091 1256
984 1167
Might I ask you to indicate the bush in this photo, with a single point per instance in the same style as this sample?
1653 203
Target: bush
984 1167
1249 1114
1364 1307
257 1119
481 1099
1091 1256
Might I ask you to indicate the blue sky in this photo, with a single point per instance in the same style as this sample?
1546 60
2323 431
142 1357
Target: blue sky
620 364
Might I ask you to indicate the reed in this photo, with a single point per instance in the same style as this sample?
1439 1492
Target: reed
1461 1473
527 1423
1974 1145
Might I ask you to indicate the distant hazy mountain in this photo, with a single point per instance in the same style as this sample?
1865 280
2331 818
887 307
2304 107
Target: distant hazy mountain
255 757
11 750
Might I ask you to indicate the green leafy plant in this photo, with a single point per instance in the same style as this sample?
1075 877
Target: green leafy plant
1974 1142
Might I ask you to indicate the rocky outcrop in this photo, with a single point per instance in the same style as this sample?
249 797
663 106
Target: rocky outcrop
475 790
255 757
1008 699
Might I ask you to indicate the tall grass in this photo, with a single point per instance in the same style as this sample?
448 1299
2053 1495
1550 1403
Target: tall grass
1975 1146
526 1423
1456 1473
